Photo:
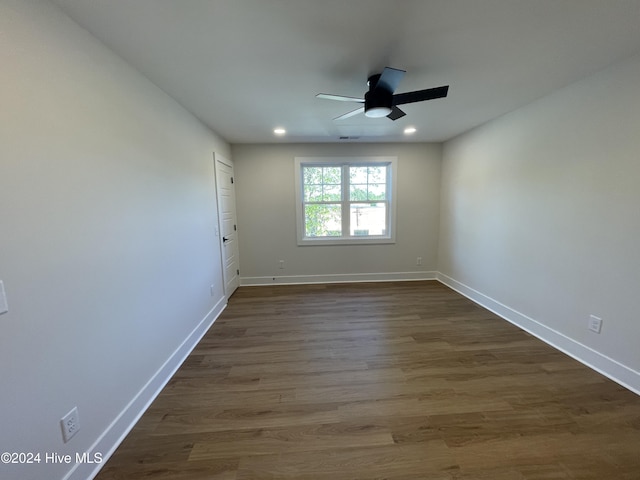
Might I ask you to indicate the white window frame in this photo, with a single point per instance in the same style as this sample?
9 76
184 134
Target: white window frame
347 239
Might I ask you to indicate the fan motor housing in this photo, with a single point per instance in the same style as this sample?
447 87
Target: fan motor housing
377 97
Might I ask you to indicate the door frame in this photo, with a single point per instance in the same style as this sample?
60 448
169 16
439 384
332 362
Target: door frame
220 229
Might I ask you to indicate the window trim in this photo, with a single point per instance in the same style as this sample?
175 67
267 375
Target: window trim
346 161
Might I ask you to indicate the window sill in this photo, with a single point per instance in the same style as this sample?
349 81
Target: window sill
319 241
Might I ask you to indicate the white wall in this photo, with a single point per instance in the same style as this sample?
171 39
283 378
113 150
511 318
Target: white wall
267 216
540 217
107 244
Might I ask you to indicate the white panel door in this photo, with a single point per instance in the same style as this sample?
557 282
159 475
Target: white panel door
225 186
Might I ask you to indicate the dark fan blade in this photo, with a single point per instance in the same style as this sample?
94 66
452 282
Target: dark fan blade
396 113
420 95
340 98
350 114
390 79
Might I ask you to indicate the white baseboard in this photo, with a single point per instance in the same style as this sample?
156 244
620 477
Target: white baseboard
619 373
338 278
115 433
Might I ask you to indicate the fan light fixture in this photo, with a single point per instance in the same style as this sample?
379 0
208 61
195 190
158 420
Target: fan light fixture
377 112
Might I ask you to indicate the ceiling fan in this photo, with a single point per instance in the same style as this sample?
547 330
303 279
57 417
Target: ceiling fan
380 101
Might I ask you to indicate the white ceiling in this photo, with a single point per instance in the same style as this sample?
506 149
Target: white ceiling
245 67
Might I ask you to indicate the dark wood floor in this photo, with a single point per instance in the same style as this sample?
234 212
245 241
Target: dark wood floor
394 381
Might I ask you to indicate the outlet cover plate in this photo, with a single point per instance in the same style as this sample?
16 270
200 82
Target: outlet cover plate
4 307
595 324
70 424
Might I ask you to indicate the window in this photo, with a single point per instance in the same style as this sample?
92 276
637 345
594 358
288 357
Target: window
345 200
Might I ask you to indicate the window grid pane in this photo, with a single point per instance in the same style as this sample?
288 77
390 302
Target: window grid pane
367 183
367 219
323 220
322 184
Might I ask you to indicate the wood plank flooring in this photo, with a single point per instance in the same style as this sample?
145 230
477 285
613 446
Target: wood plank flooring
393 381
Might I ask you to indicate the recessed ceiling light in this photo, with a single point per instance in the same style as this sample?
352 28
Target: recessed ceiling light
279 131
409 130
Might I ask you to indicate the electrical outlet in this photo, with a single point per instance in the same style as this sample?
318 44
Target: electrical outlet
419 261
212 289
281 264
70 424
595 324
4 308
